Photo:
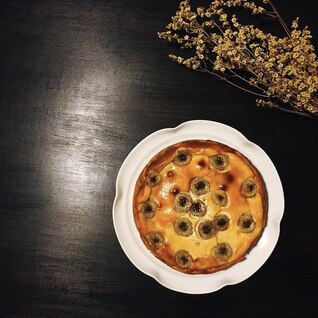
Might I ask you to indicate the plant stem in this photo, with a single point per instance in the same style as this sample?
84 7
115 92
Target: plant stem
280 19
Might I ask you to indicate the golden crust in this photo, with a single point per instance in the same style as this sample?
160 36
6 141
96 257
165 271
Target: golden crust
174 179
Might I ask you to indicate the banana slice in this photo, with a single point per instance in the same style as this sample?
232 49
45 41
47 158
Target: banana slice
220 162
205 229
153 179
200 186
182 202
182 158
249 188
246 223
183 259
198 208
222 252
155 240
148 208
220 198
221 222
183 227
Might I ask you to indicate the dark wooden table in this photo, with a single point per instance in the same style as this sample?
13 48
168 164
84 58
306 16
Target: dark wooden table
82 82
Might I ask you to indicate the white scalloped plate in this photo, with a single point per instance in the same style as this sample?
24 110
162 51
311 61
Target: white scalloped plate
128 234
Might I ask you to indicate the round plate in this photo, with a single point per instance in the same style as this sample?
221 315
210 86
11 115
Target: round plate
128 234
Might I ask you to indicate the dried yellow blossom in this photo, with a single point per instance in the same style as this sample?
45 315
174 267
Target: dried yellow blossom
281 71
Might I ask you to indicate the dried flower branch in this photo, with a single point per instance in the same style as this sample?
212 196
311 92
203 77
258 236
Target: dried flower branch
281 71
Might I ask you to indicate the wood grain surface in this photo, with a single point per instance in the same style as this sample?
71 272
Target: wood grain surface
82 82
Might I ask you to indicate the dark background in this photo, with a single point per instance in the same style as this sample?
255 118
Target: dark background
82 82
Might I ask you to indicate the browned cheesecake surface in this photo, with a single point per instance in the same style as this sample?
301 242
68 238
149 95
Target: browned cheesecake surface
200 206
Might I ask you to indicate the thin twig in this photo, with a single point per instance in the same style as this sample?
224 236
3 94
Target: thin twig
280 19
295 112
236 85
